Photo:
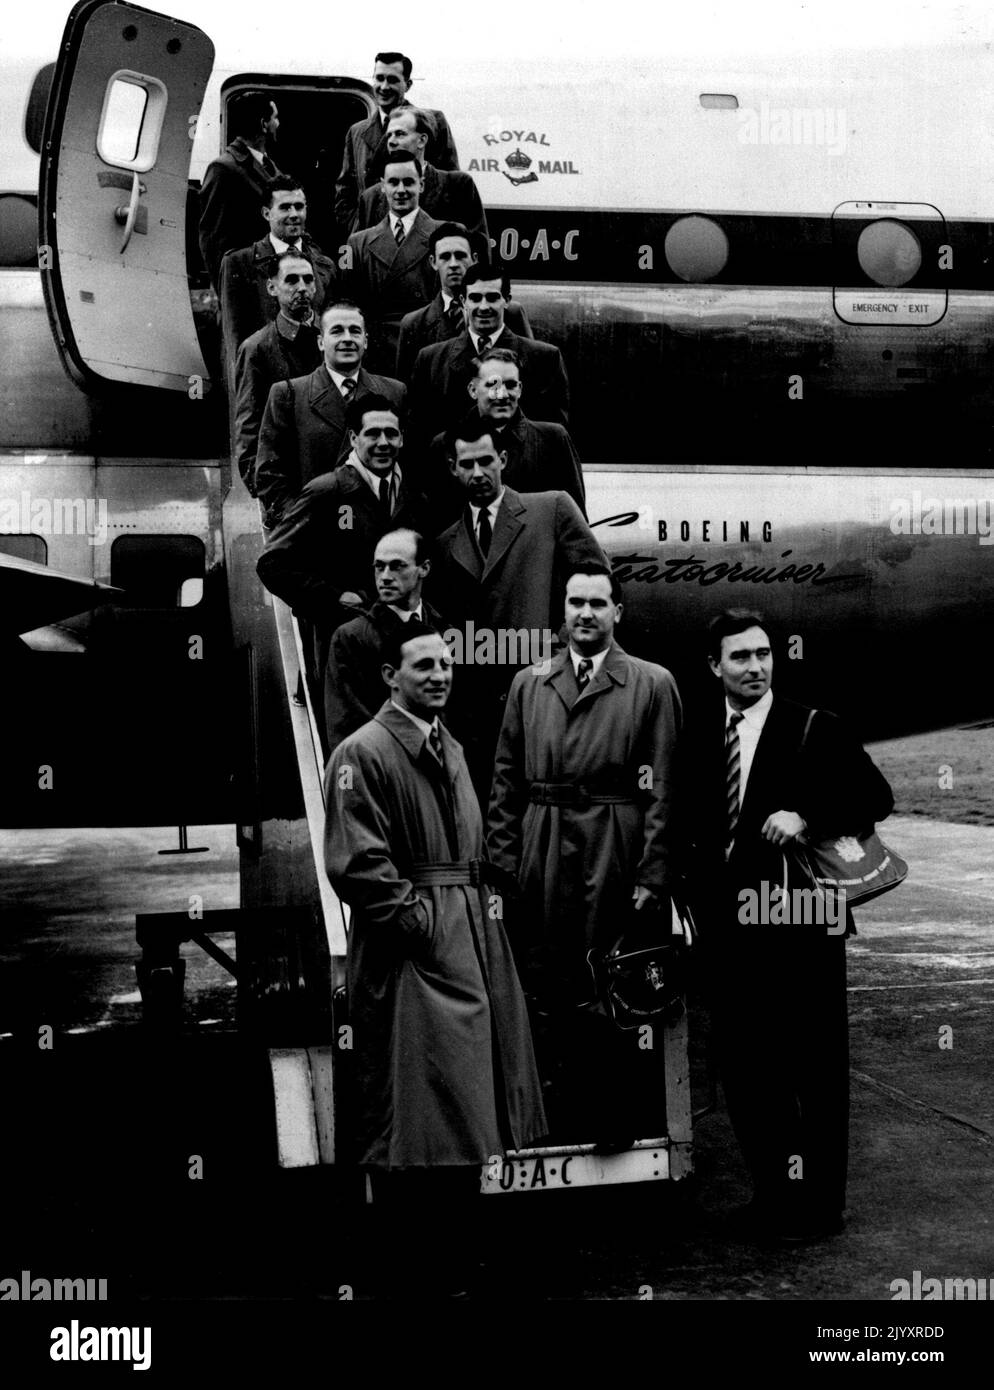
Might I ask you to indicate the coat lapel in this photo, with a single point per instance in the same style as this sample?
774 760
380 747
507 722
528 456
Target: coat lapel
382 246
325 399
613 671
464 550
414 247
506 532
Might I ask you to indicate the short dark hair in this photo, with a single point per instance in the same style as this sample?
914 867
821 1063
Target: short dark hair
422 548
496 354
728 623
291 255
361 404
402 157
489 270
247 112
406 65
445 229
424 121
392 646
341 304
472 428
283 183
595 567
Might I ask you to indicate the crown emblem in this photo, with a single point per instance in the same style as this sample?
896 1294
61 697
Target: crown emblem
518 160
849 850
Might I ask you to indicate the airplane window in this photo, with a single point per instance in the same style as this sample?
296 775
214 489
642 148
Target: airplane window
191 592
25 547
719 101
889 252
696 248
159 571
18 230
131 121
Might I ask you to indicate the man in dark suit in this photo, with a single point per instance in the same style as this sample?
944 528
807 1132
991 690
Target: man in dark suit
286 348
759 776
234 185
247 302
388 268
501 570
391 82
452 254
448 195
353 681
538 456
438 382
303 431
319 558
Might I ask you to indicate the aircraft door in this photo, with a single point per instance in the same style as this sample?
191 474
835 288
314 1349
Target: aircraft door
116 159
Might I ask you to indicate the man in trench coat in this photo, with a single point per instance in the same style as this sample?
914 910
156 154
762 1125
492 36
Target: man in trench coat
581 816
445 1071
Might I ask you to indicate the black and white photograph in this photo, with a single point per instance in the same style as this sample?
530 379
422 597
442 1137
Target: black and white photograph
497 814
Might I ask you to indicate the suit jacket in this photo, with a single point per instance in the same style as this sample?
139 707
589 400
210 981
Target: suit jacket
422 327
311 558
303 433
353 683
246 304
263 359
388 280
362 141
448 196
231 199
438 383
832 784
540 458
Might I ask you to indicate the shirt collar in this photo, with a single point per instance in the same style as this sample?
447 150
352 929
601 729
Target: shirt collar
372 479
755 715
491 507
280 246
289 328
596 658
407 220
475 338
422 724
338 377
406 614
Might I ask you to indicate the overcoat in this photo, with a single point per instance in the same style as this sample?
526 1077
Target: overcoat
387 281
362 142
247 305
578 864
303 433
447 196
264 358
423 327
232 194
444 1061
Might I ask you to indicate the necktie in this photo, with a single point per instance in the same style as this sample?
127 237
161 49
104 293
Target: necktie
399 233
435 744
482 346
732 774
385 504
583 671
486 533
347 388
454 314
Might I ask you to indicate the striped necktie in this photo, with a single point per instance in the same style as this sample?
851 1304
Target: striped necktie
435 744
732 774
347 388
399 233
583 671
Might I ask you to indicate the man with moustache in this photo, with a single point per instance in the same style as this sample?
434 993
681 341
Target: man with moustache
247 302
448 195
443 1061
581 815
761 772
319 558
451 254
438 381
391 83
287 347
353 683
303 432
539 456
388 268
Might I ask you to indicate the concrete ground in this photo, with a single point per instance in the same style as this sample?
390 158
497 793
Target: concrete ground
125 1122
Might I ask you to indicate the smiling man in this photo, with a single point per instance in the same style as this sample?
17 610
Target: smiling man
303 432
391 82
581 816
761 771
389 270
443 1062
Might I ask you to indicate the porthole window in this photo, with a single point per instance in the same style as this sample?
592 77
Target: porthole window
696 248
159 571
131 121
889 253
25 546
